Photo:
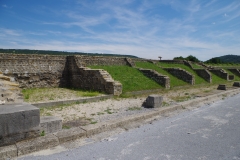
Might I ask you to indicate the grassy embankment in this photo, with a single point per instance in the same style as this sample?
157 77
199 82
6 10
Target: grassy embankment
131 78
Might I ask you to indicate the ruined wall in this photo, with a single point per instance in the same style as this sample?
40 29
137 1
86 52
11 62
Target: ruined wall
220 73
34 70
100 60
160 79
205 74
172 61
235 71
181 74
90 79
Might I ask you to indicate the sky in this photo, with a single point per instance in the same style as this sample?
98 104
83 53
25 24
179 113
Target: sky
144 28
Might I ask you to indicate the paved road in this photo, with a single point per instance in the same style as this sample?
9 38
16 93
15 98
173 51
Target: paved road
210 132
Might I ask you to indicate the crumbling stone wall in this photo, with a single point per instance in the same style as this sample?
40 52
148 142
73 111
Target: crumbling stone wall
34 70
130 62
90 79
160 79
100 60
181 74
205 74
220 73
235 71
9 90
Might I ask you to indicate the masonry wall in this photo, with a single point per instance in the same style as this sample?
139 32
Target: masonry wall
181 74
221 73
160 79
235 71
205 74
100 60
34 70
90 79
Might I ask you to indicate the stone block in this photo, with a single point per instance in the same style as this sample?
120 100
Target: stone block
50 124
222 87
70 134
153 101
236 84
37 144
18 122
8 152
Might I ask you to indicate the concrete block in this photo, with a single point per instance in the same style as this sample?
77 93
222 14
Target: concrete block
153 101
221 87
8 152
50 124
70 134
236 84
18 122
37 144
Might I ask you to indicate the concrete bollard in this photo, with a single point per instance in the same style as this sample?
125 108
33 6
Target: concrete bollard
153 101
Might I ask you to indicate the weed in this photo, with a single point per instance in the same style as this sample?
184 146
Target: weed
108 110
42 133
48 114
93 122
164 104
100 113
66 127
134 108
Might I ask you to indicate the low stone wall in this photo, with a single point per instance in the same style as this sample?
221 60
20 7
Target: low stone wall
172 61
235 71
205 74
220 73
130 62
100 60
90 79
181 74
231 77
160 79
188 63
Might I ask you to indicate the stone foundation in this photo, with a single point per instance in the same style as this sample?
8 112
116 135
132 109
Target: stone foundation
90 79
235 71
181 74
220 73
205 74
160 79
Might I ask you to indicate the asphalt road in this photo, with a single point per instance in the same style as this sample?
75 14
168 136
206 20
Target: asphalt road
209 132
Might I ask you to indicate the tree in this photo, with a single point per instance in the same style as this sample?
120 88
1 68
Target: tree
192 58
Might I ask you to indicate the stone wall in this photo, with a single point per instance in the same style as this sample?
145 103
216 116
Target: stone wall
130 62
160 79
172 61
235 71
205 74
100 60
34 70
220 73
181 74
90 79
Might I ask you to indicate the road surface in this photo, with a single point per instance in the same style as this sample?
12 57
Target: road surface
209 132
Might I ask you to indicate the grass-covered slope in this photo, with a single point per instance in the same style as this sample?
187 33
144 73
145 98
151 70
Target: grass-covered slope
174 81
198 80
131 78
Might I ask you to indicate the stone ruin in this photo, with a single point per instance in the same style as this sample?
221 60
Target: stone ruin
9 90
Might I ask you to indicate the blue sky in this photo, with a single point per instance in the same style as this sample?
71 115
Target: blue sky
144 28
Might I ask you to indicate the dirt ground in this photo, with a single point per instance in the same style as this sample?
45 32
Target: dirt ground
93 112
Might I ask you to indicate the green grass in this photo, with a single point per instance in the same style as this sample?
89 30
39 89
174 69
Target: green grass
236 78
43 94
174 81
198 80
196 66
130 78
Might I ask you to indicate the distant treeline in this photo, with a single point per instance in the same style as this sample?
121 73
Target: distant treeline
48 52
